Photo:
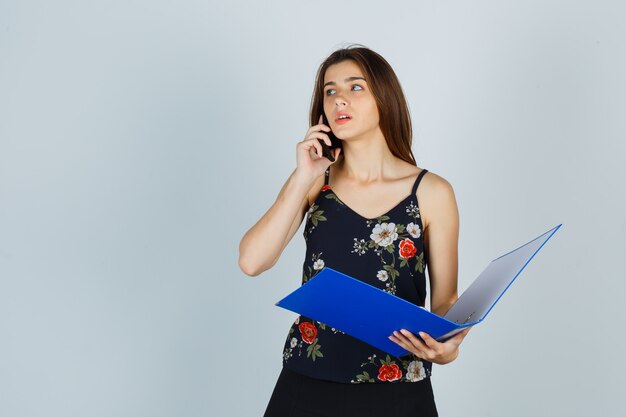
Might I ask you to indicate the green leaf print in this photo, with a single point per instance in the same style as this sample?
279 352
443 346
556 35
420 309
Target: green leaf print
387 361
419 264
317 353
313 351
379 220
312 209
364 377
317 216
332 196
393 272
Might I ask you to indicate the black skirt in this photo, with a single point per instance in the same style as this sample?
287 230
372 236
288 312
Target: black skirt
297 395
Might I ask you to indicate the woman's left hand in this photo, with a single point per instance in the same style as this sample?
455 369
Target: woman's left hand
430 349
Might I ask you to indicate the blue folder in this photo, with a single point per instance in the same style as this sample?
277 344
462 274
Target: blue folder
371 314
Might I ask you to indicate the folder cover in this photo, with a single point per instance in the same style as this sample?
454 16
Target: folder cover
371 314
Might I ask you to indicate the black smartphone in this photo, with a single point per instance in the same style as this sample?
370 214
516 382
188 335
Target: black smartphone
334 142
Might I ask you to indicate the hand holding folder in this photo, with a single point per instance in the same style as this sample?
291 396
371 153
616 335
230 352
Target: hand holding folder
371 314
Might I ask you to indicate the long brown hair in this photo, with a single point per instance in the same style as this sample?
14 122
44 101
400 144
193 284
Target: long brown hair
393 110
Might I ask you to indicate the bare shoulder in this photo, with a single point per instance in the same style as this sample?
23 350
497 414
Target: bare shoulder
435 196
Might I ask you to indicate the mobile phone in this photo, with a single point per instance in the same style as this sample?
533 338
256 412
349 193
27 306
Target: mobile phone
334 142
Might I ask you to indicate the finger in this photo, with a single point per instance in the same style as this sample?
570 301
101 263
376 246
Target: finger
314 141
427 349
410 338
323 127
316 128
325 138
321 123
413 338
428 340
320 149
312 145
322 136
407 345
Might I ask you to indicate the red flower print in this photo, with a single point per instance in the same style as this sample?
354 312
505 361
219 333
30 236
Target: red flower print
407 248
389 372
325 187
308 331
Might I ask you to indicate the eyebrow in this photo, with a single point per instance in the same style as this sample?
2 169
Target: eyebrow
346 80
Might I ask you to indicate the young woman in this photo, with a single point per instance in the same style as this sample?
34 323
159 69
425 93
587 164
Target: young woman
363 219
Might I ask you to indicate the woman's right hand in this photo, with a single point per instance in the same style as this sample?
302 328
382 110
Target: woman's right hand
309 157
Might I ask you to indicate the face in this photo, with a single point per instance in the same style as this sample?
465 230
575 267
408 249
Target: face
345 90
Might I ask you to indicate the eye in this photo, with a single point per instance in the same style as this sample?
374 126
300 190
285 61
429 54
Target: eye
332 89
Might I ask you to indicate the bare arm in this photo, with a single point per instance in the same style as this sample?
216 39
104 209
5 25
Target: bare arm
263 244
442 237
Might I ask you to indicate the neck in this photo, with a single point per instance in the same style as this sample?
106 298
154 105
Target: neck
367 159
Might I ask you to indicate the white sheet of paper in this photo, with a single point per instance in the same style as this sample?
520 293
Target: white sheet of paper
478 299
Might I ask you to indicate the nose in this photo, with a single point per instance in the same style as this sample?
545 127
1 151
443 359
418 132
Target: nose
339 98
339 101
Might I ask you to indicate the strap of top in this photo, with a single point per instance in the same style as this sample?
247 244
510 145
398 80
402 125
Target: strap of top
417 181
327 175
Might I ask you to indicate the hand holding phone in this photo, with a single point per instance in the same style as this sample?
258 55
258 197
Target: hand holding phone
317 151
335 142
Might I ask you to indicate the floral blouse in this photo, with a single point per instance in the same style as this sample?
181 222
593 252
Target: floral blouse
386 252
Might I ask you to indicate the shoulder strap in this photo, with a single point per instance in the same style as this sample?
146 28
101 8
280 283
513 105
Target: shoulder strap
417 181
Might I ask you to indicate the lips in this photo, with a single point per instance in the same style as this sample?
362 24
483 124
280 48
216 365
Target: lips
343 120
342 113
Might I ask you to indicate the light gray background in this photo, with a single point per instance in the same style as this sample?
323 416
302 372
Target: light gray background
140 140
